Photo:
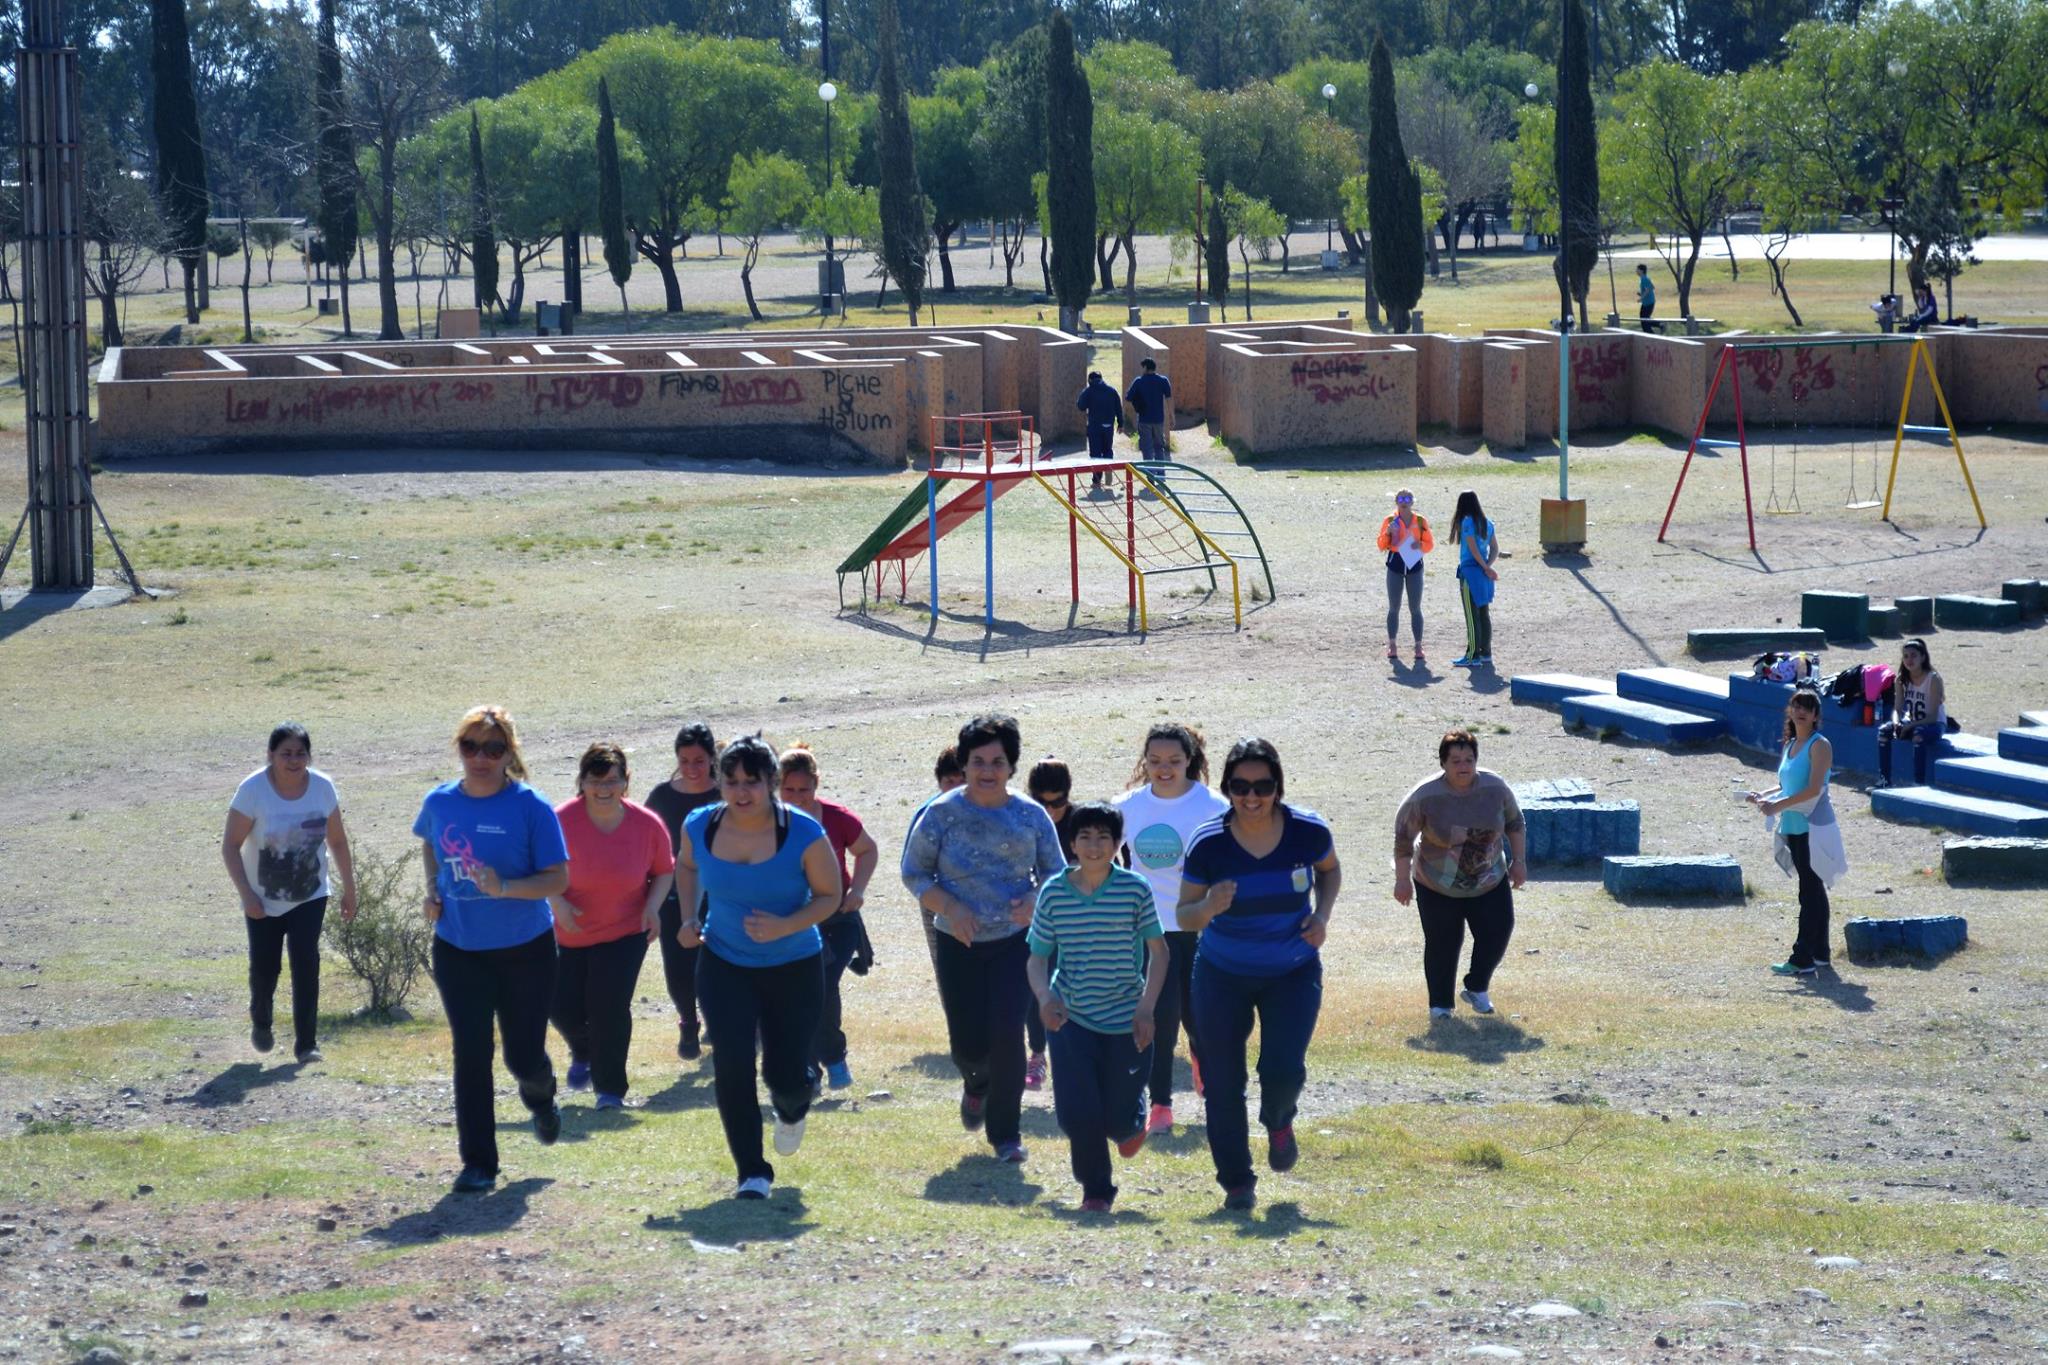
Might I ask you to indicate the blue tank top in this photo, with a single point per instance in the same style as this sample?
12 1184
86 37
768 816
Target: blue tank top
1795 771
777 887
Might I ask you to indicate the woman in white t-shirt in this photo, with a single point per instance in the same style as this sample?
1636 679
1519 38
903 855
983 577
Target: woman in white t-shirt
1166 805
284 821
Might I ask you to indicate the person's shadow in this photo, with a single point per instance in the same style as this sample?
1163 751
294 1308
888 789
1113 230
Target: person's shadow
237 1082
981 1179
463 1215
1418 674
1487 1041
1267 1221
725 1223
690 1090
1852 997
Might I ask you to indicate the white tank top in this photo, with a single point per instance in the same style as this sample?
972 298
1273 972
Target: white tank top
1913 703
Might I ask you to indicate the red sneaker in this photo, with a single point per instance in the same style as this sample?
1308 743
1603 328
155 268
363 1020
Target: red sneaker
1095 1206
1132 1145
1160 1122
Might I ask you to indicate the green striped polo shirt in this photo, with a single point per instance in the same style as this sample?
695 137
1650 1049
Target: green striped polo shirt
1098 942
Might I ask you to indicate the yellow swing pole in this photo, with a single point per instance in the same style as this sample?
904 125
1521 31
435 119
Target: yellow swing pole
1899 432
1954 439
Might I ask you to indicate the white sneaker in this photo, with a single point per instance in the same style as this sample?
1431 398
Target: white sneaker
788 1137
1439 1012
1477 1000
754 1187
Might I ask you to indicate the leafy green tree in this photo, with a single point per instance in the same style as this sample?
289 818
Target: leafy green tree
1216 246
269 235
1070 171
1676 160
764 191
944 127
1145 172
1009 144
394 85
1357 217
1792 190
180 156
483 241
334 162
611 198
1394 199
1577 149
906 234
1255 224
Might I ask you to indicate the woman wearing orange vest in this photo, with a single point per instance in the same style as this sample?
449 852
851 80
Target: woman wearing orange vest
1405 538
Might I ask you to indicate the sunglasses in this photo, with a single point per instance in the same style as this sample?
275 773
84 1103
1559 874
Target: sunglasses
1404 501
489 748
1239 786
1052 798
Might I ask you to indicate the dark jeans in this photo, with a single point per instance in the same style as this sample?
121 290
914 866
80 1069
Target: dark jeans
1173 1011
594 1006
511 987
780 1005
1811 945
1100 440
985 994
1098 1096
296 932
842 941
1407 581
679 967
1225 1003
1478 623
1492 917
1923 736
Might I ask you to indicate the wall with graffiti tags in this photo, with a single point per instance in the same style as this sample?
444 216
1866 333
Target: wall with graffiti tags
1287 395
1183 355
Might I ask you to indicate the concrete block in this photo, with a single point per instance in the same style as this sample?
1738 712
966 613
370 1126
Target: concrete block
1842 615
1958 612
1662 725
2024 743
1960 812
1916 614
2005 778
1711 877
1570 833
1995 862
1734 642
1921 936
2028 592
1677 687
1554 789
1887 622
1548 689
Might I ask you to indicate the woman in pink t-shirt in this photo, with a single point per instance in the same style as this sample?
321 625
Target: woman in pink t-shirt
845 934
621 865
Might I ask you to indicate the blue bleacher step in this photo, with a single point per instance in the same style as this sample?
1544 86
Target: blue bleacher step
1679 687
1713 877
1963 744
2034 718
1641 720
1954 810
1993 776
1548 689
2024 743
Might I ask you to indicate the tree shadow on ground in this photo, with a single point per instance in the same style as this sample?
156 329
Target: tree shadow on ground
1268 1221
1488 1042
724 1224
237 1082
979 1178
463 1215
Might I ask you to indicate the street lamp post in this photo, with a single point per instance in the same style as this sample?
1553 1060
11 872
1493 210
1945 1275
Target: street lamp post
828 92
1561 521
1330 106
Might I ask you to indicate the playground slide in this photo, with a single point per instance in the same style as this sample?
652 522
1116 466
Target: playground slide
906 532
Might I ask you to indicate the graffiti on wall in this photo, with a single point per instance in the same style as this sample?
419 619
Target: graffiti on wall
1338 379
1806 377
1593 364
328 403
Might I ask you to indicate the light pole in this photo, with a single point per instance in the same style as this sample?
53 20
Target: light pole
1330 106
1561 521
828 92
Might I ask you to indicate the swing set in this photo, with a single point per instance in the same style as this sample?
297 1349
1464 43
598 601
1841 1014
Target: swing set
1802 383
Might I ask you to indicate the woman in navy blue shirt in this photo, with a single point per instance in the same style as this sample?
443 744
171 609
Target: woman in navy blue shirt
1259 883
770 878
494 854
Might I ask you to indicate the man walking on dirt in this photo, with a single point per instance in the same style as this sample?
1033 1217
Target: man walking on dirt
1104 411
1147 397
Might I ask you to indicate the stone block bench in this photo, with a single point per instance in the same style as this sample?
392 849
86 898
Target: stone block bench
1916 614
1548 689
1956 811
1553 789
2030 593
1570 833
1921 936
1661 725
1958 612
1839 615
1995 862
1701 878
1738 642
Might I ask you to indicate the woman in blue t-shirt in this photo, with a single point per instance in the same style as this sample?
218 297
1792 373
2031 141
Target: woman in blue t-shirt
1803 765
1477 549
494 854
1259 884
770 878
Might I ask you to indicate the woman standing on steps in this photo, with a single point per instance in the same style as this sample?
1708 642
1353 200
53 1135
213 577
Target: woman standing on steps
1405 538
770 879
1477 549
621 865
282 824
494 854
845 934
692 785
1810 839
1920 713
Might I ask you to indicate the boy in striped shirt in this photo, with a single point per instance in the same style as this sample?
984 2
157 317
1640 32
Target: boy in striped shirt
1099 921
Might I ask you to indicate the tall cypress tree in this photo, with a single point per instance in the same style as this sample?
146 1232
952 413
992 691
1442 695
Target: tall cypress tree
611 198
334 157
1216 248
1069 172
483 240
180 158
1393 197
906 232
1577 150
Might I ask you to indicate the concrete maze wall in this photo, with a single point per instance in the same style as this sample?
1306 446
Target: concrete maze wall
842 396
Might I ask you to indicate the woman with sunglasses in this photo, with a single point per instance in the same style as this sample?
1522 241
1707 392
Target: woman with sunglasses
494 854
1259 885
1051 785
693 784
621 865
1807 832
769 876
845 934
1167 803
1405 538
975 860
1460 855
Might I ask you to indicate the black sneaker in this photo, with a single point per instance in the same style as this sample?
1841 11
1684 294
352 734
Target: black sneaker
971 1107
475 1180
547 1124
311 1054
688 1046
261 1038
1282 1151
1242 1199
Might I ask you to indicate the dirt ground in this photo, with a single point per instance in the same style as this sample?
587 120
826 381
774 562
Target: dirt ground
1682 1135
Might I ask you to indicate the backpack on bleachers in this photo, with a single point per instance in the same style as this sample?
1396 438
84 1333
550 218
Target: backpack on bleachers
1785 668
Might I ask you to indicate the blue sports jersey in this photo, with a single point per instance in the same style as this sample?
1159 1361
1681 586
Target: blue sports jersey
1260 934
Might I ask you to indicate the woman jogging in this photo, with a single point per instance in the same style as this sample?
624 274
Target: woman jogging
1168 802
494 854
694 784
1259 885
975 860
1459 855
1806 830
283 822
1477 549
1919 713
770 879
845 934
1405 538
1099 921
621 866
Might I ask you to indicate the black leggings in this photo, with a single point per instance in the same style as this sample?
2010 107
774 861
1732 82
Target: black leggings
1811 945
593 1008
1175 1009
986 997
779 1005
679 966
510 988
297 932
1492 917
